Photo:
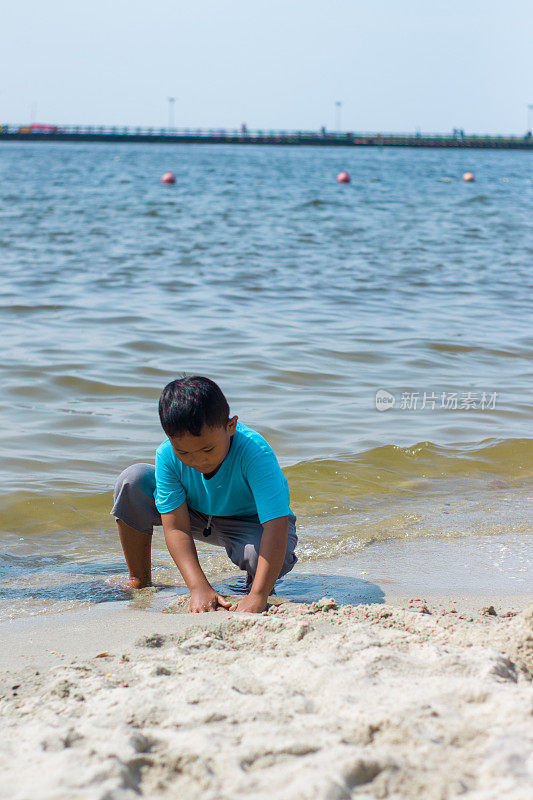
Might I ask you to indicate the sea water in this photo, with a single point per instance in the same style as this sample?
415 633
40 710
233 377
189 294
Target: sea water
378 334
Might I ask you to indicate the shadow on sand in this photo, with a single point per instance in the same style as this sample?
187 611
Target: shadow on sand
309 588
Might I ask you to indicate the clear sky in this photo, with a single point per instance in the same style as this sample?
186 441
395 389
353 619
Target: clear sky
396 66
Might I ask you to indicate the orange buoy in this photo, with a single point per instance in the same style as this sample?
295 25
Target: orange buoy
343 177
469 177
169 178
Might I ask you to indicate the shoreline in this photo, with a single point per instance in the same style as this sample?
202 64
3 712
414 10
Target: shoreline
468 571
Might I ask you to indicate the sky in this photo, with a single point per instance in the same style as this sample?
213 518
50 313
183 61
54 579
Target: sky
396 66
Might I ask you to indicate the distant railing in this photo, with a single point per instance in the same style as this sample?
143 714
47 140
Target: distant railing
45 130
455 138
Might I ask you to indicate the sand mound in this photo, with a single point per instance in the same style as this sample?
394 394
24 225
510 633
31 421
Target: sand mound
302 702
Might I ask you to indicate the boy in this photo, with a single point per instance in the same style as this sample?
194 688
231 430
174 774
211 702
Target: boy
217 481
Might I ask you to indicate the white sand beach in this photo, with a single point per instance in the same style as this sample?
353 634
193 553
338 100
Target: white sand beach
418 699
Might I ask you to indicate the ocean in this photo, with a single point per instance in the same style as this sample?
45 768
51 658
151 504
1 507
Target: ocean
378 334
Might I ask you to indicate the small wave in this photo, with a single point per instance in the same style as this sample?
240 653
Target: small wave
17 310
13 566
454 349
35 513
80 591
480 198
318 203
417 471
101 388
335 487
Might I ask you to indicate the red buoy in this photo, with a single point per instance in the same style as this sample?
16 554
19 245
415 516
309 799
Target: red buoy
469 177
169 178
343 177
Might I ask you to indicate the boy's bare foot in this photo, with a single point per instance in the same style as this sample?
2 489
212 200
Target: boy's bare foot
134 583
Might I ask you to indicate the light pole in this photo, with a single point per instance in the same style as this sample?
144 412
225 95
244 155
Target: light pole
171 101
338 106
529 110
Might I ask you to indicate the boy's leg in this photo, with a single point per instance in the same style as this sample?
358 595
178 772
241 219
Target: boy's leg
242 541
137 549
136 514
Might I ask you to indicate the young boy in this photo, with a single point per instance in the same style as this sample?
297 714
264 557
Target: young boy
217 481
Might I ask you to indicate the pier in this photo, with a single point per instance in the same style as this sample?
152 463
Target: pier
79 133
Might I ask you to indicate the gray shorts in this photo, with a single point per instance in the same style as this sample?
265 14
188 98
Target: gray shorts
135 505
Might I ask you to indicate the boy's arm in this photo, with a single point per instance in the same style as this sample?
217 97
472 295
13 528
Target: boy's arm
177 527
271 556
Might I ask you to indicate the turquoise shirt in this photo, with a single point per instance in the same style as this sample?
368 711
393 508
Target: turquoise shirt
249 484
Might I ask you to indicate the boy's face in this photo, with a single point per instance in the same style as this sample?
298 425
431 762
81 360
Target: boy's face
207 451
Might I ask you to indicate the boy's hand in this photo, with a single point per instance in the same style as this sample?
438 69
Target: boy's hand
206 600
253 603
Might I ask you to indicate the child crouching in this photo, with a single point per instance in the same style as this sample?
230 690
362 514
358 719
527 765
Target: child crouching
215 480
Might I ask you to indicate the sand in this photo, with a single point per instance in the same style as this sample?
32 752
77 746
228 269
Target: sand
419 699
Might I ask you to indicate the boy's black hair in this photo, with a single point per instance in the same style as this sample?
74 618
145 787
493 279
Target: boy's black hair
189 403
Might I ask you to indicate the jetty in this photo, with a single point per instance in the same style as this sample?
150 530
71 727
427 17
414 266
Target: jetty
243 136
